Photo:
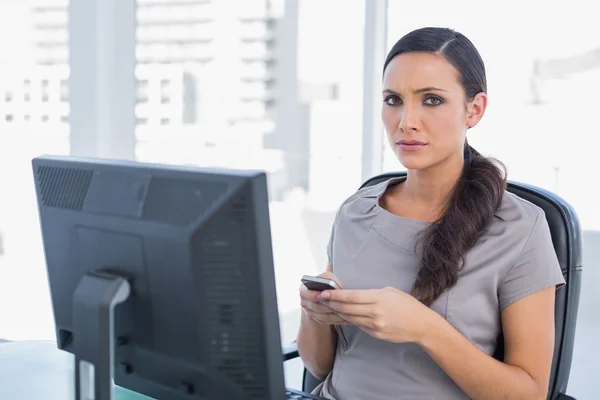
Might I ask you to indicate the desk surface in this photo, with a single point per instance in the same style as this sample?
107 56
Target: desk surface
39 370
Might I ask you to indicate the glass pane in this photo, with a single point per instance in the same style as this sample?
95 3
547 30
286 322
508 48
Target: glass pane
34 114
541 119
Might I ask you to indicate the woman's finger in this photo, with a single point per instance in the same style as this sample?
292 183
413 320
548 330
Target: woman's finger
310 295
326 319
360 310
316 307
360 321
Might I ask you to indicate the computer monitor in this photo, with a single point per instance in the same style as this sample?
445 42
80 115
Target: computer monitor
181 259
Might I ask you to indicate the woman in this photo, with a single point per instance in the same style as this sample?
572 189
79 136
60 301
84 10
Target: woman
435 266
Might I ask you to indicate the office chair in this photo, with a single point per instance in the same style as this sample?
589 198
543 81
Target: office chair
566 237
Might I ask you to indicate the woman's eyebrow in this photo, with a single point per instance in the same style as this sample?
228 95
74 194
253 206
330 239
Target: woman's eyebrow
416 91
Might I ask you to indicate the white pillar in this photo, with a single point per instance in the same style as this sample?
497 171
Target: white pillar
374 55
102 81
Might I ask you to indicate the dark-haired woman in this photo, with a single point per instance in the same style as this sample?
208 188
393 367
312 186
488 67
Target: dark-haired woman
433 267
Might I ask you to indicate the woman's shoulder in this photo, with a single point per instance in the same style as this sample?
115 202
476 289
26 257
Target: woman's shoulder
364 200
519 216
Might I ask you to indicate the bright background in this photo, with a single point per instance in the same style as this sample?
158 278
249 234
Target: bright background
291 87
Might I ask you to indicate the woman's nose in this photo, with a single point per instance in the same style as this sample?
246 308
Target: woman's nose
409 120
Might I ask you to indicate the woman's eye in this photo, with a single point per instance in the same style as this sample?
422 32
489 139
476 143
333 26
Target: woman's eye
433 101
392 100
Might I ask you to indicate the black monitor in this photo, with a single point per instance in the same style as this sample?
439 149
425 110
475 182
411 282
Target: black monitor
162 277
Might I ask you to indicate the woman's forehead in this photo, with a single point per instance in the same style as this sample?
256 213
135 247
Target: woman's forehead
412 71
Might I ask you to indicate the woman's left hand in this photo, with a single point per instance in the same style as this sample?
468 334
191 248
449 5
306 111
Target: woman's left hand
387 314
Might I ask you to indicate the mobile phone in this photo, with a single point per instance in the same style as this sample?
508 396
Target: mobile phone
319 284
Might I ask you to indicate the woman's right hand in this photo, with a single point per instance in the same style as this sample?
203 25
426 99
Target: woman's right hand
316 311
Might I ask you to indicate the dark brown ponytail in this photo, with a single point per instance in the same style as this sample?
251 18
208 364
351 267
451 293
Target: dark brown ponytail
470 210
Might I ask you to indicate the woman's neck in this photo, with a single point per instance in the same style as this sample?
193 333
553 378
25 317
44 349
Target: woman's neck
430 188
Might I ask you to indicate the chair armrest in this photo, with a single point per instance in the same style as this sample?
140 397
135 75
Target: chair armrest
290 351
563 396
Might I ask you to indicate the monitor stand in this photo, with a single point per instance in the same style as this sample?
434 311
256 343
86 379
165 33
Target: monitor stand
94 302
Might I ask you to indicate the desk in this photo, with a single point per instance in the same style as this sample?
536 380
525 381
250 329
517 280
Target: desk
36 370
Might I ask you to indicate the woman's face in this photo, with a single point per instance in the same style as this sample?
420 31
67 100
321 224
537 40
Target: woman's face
425 112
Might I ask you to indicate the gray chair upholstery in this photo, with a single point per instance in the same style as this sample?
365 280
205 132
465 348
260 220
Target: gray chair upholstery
566 236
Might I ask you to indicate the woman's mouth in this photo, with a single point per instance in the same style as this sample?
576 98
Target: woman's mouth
411 145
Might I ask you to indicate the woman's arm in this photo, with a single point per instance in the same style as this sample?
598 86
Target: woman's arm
317 344
316 347
528 326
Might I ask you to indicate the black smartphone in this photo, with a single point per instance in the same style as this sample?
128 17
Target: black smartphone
319 284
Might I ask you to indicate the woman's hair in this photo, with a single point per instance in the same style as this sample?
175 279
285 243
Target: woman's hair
477 195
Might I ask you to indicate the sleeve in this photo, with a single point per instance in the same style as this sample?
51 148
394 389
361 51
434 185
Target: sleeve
331 238
535 269
330 246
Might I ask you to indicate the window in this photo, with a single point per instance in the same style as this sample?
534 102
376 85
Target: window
252 113
29 100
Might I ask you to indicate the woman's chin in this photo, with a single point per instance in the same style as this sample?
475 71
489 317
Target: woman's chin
413 163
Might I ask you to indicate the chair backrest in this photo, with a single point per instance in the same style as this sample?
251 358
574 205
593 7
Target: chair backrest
566 237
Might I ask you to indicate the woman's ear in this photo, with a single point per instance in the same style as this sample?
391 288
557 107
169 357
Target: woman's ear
476 109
